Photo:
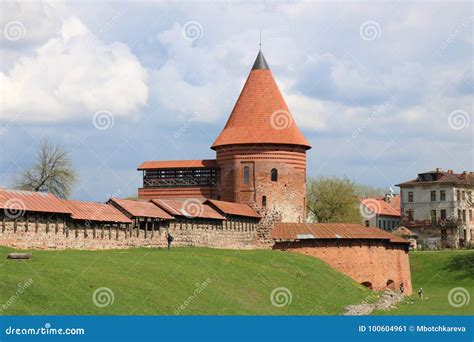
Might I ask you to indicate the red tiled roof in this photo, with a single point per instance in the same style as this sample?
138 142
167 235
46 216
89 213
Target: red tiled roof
191 207
178 164
442 177
91 211
380 207
142 209
298 231
260 115
395 203
232 208
31 201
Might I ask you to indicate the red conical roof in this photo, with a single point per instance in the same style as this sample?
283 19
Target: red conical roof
260 115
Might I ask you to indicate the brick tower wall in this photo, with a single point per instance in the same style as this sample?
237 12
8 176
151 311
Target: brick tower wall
285 197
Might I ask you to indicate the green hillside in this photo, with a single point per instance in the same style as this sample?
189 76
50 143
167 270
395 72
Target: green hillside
438 273
189 281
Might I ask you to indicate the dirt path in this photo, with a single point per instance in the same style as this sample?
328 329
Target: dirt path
387 301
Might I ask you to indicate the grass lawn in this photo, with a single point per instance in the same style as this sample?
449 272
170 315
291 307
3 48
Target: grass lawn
438 272
195 281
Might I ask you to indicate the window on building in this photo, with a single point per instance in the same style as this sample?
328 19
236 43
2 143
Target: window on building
246 175
443 214
469 197
380 224
433 216
410 196
367 223
433 196
464 215
463 195
410 214
274 175
459 215
384 224
458 195
442 195
264 201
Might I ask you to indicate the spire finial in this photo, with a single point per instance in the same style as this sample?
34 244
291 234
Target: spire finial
260 44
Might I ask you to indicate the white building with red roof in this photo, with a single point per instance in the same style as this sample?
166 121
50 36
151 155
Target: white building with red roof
381 212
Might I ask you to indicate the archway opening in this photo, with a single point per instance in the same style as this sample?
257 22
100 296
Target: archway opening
391 284
367 284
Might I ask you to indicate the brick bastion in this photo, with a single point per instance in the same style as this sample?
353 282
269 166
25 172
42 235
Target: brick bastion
370 256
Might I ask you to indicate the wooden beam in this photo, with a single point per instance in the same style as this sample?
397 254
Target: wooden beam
47 223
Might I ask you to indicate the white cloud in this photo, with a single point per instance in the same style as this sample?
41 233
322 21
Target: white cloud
37 19
72 76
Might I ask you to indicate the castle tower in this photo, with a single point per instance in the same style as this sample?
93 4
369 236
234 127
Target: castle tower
261 152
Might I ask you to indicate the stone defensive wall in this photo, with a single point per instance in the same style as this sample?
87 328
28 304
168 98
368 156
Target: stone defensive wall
91 235
39 220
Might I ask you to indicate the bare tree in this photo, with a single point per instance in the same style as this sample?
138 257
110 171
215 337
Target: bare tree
52 172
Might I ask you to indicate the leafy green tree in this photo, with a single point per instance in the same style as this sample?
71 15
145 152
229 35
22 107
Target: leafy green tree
332 199
364 191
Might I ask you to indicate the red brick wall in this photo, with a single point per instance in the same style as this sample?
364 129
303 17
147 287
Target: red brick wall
363 261
188 192
286 196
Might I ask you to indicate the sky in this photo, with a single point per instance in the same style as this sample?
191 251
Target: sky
381 90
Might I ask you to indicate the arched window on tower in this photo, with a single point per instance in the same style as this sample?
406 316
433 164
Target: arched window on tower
264 201
246 175
274 175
